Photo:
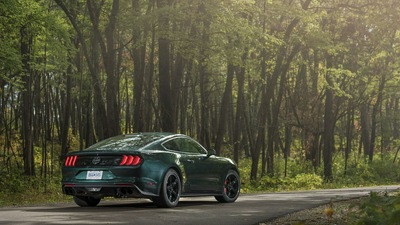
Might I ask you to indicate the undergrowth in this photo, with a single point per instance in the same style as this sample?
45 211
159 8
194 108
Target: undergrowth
302 175
378 210
21 190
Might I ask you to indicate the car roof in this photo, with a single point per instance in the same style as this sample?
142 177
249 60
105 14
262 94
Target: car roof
133 141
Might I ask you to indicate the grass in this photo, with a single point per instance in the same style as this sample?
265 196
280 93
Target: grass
21 190
378 209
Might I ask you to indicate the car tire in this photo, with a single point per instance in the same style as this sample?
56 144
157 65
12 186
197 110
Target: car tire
170 190
231 189
85 201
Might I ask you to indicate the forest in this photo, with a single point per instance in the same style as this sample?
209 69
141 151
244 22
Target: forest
266 82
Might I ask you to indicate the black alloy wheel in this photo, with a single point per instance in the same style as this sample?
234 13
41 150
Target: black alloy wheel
170 190
231 188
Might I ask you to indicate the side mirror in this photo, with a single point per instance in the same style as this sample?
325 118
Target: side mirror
211 152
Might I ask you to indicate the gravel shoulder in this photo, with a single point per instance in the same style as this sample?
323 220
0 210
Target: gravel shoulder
340 212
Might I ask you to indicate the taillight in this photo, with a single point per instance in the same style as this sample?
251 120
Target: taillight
130 160
70 160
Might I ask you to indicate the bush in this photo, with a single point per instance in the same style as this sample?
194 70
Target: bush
301 175
305 181
379 210
24 190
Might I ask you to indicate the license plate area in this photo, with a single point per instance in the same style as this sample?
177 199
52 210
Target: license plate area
94 175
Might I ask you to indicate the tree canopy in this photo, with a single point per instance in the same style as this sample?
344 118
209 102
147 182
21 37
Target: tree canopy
251 78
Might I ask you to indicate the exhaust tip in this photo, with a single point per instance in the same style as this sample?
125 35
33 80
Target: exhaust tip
125 192
69 191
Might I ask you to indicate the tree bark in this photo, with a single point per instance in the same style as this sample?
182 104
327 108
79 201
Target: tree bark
165 102
27 108
108 54
375 111
240 110
204 82
149 82
138 72
349 134
226 99
67 115
329 124
365 126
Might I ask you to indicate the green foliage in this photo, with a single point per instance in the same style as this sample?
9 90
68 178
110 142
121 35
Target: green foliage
16 189
306 181
19 189
362 42
379 210
303 181
9 53
301 175
381 170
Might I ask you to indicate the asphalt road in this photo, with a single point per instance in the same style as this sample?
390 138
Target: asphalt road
248 209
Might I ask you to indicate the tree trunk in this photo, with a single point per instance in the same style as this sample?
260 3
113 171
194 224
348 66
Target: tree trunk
396 127
267 96
349 134
92 62
27 108
66 115
226 99
165 102
365 124
149 84
329 125
138 72
375 111
273 129
240 111
177 87
109 56
204 83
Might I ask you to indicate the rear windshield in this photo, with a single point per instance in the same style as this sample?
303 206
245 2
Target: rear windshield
131 142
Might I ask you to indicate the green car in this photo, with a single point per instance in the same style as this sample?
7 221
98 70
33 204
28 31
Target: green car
160 166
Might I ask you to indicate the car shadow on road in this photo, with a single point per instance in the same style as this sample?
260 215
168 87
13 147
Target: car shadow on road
118 206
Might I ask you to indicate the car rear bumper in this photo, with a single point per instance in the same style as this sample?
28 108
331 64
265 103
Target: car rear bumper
106 190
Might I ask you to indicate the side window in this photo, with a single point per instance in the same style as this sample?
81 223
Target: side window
184 145
192 147
171 145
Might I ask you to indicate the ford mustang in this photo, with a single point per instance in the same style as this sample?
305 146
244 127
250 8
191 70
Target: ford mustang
162 167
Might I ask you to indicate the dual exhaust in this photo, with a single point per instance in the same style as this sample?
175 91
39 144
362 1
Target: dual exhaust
123 192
